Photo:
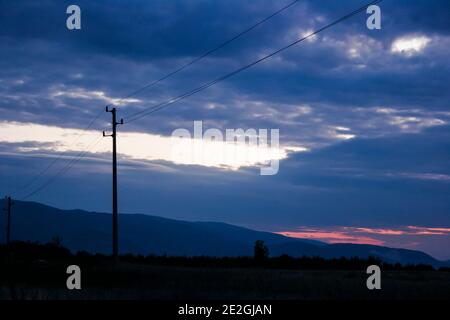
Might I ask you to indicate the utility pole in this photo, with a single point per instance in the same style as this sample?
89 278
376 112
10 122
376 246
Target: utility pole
115 243
9 203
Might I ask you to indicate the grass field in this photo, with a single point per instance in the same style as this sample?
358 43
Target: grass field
131 281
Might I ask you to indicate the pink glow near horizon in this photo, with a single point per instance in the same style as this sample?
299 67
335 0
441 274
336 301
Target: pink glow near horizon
429 231
361 235
332 237
390 232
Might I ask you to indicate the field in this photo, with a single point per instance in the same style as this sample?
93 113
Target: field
39 272
128 281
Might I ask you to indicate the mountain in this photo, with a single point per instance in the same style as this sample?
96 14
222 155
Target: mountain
139 233
144 234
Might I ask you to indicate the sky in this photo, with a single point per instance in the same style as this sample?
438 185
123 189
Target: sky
363 115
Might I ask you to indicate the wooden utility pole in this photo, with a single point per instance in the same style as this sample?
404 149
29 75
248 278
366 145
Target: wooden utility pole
9 203
115 242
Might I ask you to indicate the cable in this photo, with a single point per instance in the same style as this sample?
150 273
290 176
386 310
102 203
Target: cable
207 53
55 160
151 84
157 107
138 115
63 170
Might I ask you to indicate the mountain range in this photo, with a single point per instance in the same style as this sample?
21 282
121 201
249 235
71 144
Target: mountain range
145 234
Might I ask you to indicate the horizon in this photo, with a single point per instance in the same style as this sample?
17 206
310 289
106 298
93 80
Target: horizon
317 236
356 121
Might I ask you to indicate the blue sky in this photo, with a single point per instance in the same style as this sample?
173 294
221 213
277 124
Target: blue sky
371 107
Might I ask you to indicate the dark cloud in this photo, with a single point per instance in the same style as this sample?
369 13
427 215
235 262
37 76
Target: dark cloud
346 81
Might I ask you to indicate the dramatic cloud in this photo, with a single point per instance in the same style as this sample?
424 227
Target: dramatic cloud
363 115
410 45
226 154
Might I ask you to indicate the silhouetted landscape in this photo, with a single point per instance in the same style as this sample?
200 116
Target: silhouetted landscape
143 234
215 158
37 271
205 260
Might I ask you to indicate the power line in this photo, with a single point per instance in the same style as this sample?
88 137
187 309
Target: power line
68 165
140 114
115 231
56 159
151 84
63 170
207 53
8 203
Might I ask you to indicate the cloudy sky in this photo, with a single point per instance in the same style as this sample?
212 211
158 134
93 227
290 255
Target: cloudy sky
363 115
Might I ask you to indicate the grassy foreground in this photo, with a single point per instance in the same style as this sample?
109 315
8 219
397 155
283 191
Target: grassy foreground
24 274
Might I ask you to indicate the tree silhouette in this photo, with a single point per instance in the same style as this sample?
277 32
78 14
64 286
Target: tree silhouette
261 251
56 241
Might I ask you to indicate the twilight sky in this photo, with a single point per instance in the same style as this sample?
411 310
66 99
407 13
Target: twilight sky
363 115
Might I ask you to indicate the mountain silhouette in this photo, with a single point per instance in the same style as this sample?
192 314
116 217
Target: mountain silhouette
145 234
